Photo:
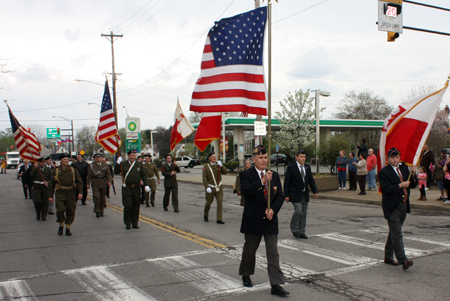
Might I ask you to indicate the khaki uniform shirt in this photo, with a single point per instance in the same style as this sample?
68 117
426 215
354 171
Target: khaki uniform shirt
39 177
208 177
99 175
65 179
152 172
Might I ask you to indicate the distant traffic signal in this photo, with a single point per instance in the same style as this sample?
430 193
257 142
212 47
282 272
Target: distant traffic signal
58 131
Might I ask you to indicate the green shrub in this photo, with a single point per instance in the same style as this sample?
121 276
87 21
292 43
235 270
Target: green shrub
231 166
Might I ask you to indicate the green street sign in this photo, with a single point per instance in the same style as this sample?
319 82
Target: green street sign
53 133
133 142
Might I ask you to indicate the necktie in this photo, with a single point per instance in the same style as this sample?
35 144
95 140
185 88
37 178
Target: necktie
302 171
405 192
265 185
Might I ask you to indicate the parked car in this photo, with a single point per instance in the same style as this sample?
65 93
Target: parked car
280 158
187 162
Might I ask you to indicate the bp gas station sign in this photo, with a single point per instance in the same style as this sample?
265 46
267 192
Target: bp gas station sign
133 134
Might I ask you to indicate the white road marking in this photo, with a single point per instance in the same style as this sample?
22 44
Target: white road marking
16 290
443 243
104 284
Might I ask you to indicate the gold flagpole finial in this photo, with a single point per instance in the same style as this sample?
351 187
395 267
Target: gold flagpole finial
448 79
5 101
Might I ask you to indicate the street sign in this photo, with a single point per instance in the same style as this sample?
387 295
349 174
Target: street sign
390 17
260 128
82 153
53 133
134 143
277 148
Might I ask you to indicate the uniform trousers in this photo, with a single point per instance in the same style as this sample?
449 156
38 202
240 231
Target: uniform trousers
298 220
40 199
131 201
218 193
152 196
167 191
99 191
66 205
247 266
394 243
84 192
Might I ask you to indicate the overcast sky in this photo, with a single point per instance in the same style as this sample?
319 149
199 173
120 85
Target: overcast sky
332 45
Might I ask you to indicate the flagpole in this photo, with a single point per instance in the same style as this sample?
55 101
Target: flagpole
223 135
269 92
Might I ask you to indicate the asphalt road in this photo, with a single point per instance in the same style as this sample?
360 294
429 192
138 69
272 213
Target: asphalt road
177 256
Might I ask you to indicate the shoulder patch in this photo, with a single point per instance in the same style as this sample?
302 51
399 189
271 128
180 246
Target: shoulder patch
204 168
162 168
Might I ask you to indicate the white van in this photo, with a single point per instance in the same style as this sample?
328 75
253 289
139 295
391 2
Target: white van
12 159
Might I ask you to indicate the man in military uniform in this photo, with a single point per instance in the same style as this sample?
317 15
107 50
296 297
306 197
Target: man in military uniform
49 164
40 176
82 168
112 177
212 179
132 175
99 177
67 181
169 171
152 175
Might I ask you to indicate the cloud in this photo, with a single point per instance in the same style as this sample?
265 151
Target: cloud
34 73
315 63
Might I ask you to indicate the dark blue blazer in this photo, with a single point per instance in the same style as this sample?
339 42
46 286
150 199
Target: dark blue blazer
392 194
253 217
294 185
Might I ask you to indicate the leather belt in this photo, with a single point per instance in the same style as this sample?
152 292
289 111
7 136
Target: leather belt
132 185
214 186
66 187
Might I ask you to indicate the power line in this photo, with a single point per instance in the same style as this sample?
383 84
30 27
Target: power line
132 15
150 17
299 12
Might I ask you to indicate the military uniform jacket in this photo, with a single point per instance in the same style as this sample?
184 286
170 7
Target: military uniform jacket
38 178
208 177
65 179
151 171
98 175
169 180
137 173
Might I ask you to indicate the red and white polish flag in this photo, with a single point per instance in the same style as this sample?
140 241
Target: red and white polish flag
208 130
408 126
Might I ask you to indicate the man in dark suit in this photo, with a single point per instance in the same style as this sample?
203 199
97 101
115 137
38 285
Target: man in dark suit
258 220
297 179
82 167
24 175
395 184
169 170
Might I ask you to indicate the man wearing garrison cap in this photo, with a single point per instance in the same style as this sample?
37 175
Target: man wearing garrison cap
212 179
40 175
99 177
395 183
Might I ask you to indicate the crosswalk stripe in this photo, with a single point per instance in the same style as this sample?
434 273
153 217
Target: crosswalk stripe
337 256
443 243
206 280
16 290
104 284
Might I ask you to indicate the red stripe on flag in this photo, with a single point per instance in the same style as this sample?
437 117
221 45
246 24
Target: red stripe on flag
229 93
231 77
207 48
208 64
229 108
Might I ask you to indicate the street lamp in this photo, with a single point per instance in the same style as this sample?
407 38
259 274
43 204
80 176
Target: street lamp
71 125
126 111
151 142
88 81
324 94
94 104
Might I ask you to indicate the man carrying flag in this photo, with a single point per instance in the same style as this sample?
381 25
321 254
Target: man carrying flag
181 127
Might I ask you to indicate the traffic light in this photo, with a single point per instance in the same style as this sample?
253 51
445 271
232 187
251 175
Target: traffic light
58 131
390 18
391 36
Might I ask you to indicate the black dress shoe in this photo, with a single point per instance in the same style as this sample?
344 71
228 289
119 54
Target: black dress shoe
205 218
147 205
68 233
135 227
247 281
60 230
362 193
406 264
43 219
278 290
153 204
38 217
303 236
220 222
128 227
165 209
296 234
390 261
142 203
97 214
84 204
176 210
51 213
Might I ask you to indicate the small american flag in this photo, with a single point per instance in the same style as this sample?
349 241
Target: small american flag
232 72
26 142
107 135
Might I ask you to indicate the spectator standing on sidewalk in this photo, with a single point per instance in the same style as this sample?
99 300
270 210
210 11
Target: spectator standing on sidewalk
352 171
447 178
422 176
371 170
362 173
439 174
427 159
362 148
341 164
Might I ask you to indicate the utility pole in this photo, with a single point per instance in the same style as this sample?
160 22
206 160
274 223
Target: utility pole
111 37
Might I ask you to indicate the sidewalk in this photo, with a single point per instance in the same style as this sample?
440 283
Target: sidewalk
371 197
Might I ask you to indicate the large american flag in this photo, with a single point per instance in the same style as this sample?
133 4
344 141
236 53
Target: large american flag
232 72
107 135
26 142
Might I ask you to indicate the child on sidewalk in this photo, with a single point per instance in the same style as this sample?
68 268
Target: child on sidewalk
422 176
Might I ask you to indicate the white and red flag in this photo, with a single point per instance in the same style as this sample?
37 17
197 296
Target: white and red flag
26 142
408 126
181 127
107 134
232 71
208 130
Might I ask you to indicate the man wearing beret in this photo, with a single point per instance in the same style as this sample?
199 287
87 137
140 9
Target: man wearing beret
297 181
40 176
169 170
395 183
132 174
99 177
66 181
258 220
212 179
152 175
82 168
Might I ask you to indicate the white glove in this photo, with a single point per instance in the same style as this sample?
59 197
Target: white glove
147 189
219 163
208 190
119 160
